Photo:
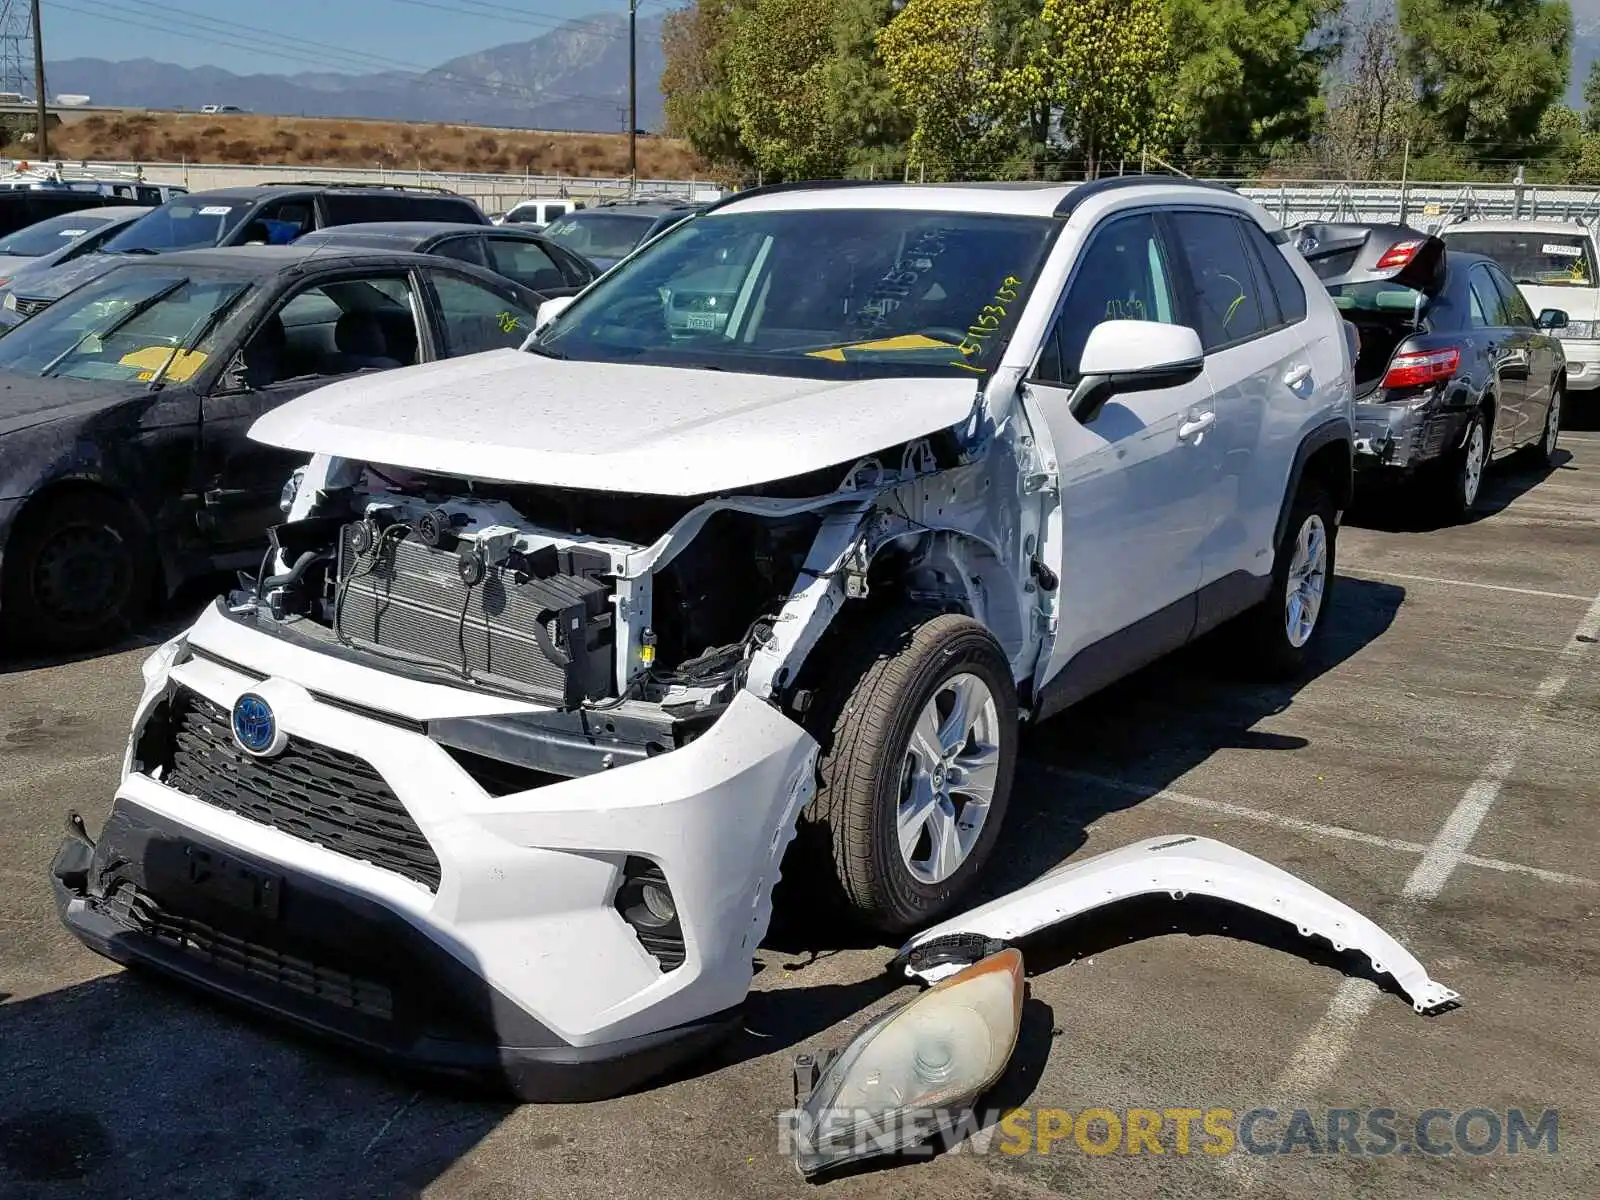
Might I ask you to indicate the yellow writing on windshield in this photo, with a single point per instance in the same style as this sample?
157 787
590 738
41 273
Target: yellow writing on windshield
904 341
149 360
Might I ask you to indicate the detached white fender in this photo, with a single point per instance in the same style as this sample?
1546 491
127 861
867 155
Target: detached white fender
1179 865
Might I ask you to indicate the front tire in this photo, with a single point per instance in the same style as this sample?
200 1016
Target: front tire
919 746
77 575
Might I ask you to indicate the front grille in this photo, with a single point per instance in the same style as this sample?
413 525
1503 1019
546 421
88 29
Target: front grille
31 308
240 956
313 792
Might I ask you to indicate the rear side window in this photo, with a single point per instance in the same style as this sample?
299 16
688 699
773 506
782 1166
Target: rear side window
1516 307
1488 305
1229 305
1285 284
401 206
526 262
462 249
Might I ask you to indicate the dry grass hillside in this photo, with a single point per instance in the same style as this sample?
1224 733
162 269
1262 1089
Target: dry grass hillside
305 141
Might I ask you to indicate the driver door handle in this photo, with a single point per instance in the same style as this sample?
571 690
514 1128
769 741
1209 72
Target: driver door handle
1195 426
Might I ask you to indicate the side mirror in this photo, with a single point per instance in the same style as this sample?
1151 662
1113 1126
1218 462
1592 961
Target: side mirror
1133 356
549 311
1551 318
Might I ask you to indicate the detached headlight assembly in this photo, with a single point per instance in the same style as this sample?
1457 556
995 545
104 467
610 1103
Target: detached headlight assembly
911 1070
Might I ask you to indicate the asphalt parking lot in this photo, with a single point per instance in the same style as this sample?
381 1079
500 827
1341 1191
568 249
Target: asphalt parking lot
1438 771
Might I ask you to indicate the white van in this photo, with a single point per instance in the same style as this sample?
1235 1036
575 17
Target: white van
1554 264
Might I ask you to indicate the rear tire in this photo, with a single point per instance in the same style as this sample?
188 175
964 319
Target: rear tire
1459 483
1544 452
78 575
1278 635
919 744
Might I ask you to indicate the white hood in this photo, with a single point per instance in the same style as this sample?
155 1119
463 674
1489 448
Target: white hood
521 418
1580 304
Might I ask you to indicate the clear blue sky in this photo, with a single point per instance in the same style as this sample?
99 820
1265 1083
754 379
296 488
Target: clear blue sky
351 35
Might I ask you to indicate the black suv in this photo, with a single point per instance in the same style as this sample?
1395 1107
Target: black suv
272 214
28 206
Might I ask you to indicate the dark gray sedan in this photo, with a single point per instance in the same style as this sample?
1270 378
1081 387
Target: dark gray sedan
523 255
125 465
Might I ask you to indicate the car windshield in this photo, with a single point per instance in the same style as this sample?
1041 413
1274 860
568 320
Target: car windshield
49 236
127 326
189 223
1542 259
825 294
600 234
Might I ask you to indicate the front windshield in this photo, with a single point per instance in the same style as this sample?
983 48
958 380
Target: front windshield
827 294
49 236
125 326
190 223
600 235
1541 259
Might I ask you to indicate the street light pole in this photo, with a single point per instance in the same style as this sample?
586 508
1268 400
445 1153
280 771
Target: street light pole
43 138
633 94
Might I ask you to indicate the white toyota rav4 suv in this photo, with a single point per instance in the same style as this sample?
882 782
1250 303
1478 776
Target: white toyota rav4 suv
788 521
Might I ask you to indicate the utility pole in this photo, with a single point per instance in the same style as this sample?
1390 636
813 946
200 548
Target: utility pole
38 85
633 94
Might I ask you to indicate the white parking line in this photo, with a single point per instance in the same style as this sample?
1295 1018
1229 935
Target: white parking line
1325 1047
1313 828
1385 576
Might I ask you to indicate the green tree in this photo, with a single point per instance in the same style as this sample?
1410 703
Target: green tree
779 61
1102 66
875 125
1250 76
699 99
1487 70
941 63
1591 98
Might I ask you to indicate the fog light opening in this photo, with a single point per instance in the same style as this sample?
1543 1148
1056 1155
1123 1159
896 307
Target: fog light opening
646 903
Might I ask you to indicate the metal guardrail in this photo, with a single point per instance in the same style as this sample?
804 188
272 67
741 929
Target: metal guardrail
1426 206
492 192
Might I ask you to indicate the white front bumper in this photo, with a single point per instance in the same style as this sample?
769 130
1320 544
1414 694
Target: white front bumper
1583 365
528 881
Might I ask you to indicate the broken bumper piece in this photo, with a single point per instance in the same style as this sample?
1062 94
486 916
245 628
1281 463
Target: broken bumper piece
1179 866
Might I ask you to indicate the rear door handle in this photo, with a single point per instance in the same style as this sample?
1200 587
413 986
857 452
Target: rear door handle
1195 426
1294 377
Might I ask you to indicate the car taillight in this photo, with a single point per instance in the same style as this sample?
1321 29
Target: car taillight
1399 254
1421 368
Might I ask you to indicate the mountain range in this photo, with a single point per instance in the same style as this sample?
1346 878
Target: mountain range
574 77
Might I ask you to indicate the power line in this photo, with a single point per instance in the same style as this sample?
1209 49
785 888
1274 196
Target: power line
485 10
305 52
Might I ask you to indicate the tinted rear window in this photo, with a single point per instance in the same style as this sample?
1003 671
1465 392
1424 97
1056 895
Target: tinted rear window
402 206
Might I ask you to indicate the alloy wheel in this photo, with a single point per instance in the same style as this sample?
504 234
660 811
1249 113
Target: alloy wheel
948 778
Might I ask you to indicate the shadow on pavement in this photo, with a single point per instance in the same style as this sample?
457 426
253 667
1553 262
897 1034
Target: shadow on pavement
125 1086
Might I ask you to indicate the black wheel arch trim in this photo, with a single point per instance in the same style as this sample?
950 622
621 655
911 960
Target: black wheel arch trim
1329 433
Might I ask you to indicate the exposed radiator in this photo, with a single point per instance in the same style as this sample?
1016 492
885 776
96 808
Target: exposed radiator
541 623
